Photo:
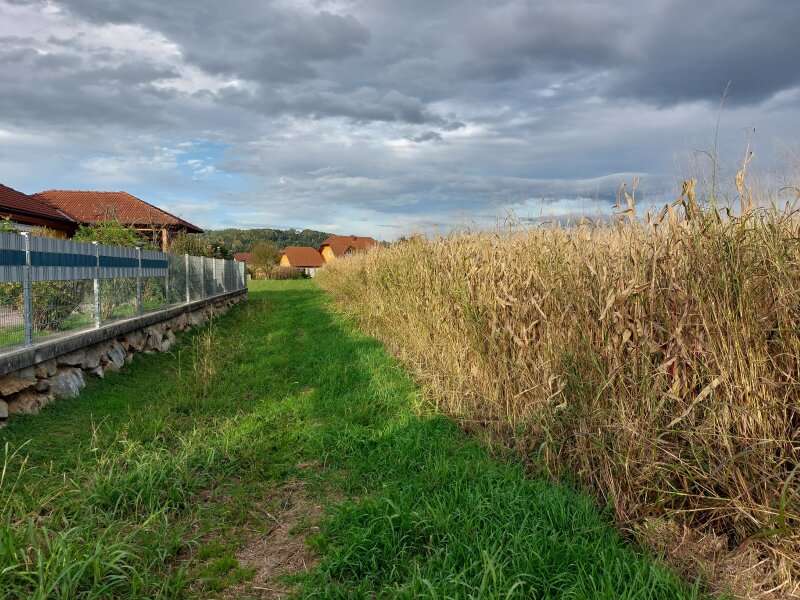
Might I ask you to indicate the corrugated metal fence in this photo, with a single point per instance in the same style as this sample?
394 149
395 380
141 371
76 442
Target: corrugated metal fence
50 286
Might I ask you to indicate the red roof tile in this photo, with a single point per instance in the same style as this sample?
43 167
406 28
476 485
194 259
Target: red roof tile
92 207
303 256
243 256
14 201
340 244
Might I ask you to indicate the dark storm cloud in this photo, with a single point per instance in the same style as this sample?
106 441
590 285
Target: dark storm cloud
64 88
428 136
365 104
408 107
254 40
694 50
386 61
559 37
659 51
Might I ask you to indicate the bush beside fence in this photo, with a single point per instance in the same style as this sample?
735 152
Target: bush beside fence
277 272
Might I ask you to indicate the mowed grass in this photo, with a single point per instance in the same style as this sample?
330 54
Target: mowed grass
148 485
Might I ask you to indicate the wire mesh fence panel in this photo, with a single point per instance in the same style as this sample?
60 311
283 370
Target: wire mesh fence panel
219 275
12 323
210 266
208 276
196 291
54 259
227 270
61 306
117 298
176 278
47 285
154 263
198 273
154 293
238 275
216 287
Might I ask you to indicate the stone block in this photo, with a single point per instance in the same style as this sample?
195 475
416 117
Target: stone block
115 358
180 323
16 382
67 383
92 358
28 403
154 335
136 340
47 368
167 341
72 359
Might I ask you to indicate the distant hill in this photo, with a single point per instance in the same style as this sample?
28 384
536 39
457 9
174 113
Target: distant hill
242 240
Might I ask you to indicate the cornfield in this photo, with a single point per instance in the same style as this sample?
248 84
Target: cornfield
654 362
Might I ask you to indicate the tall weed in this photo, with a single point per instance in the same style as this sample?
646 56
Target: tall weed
655 361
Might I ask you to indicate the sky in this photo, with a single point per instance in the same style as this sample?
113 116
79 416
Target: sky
391 117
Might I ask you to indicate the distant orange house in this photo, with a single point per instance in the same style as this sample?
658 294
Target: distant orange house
337 246
304 258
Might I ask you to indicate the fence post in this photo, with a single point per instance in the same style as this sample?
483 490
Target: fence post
139 308
203 276
188 274
225 276
96 285
166 283
27 302
214 276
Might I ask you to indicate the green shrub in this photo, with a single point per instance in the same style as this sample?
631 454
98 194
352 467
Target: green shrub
276 272
54 302
194 245
265 254
185 243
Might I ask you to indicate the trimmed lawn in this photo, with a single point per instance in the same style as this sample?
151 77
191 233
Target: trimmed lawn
168 479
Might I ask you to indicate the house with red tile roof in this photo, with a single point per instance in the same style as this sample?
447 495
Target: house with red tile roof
305 258
245 257
27 212
337 246
89 207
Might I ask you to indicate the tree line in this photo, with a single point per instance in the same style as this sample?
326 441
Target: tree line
244 240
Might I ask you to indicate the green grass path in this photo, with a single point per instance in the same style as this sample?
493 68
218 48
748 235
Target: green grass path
151 483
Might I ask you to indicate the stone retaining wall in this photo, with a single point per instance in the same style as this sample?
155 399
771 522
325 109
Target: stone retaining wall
28 390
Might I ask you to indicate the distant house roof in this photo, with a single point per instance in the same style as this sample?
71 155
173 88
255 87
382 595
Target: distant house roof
243 256
92 207
303 256
18 206
340 244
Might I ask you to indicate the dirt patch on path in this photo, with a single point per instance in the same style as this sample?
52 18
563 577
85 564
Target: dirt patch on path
282 550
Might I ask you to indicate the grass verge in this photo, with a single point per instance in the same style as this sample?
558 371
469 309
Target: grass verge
152 483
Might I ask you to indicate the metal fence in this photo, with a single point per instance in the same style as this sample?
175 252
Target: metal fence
50 286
